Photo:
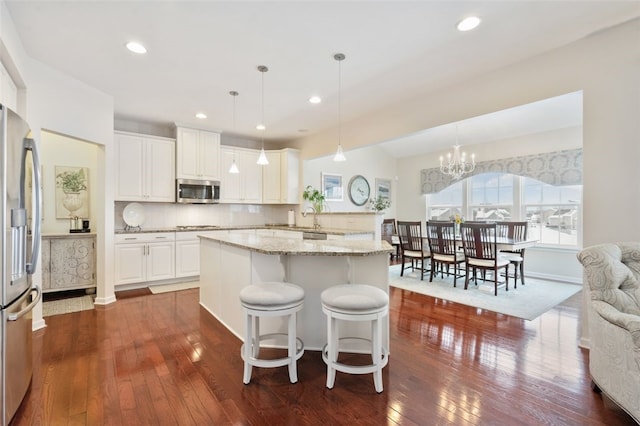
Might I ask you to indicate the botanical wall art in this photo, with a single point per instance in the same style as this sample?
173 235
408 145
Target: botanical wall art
72 192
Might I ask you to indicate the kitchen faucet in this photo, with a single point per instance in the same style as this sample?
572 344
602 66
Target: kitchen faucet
316 224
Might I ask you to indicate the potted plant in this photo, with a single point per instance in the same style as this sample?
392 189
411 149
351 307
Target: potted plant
315 197
379 204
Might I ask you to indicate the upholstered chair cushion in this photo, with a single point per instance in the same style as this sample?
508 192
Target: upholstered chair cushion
271 295
613 273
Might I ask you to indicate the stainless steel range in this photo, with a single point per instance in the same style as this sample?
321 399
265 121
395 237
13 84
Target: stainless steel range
20 248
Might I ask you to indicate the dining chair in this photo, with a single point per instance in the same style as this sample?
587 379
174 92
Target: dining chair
481 252
516 231
411 246
443 246
389 227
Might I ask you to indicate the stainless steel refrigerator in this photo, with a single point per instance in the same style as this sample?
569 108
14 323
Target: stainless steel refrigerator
20 244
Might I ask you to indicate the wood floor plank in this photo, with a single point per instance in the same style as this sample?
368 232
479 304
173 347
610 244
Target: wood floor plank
163 359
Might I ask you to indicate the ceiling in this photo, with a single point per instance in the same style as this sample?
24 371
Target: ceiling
198 51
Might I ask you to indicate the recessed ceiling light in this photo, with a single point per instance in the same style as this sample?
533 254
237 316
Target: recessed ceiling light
260 127
136 47
315 99
201 115
468 23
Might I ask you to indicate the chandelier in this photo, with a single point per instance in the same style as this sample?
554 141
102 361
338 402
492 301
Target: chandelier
457 164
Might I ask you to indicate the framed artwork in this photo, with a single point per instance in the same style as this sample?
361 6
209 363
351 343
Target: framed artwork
332 187
72 192
383 188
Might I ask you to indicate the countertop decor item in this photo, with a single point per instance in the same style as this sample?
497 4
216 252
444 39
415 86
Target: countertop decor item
359 190
379 203
315 197
133 215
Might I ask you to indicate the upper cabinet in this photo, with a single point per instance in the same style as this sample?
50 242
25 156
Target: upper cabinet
274 183
145 168
280 179
245 186
197 154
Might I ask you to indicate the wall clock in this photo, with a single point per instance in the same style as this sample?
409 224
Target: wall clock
359 190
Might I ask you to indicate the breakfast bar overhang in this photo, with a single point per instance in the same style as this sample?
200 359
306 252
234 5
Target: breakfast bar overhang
229 262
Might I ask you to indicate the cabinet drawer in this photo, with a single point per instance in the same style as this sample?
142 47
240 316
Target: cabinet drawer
151 237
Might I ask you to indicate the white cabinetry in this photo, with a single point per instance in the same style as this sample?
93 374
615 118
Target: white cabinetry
8 90
280 179
243 187
197 154
271 178
144 257
187 254
144 168
68 262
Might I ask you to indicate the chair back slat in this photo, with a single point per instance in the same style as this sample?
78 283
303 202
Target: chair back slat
441 237
479 240
514 230
410 234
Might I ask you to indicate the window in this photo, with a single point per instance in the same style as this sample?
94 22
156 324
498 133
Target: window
553 212
445 203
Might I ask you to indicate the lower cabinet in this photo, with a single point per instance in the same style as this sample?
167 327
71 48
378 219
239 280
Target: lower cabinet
144 257
187 254
68 262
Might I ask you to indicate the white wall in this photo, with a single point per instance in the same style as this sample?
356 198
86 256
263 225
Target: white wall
370 162
605 66
61 150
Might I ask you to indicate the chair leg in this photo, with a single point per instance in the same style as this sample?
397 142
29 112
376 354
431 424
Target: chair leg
402 268
293 369
332 351
376 353
515 275
433 263
247 348
466 276
522 271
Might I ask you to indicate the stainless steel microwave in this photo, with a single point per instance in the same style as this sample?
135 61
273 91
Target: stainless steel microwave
197 191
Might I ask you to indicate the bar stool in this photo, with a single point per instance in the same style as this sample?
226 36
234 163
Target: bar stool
355 302
270 299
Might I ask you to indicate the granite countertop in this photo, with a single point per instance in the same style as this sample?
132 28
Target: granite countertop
288 246
332 231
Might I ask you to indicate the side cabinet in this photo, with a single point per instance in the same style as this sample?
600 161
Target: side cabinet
68 262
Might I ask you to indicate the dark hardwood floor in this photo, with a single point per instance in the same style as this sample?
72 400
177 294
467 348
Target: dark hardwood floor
163 360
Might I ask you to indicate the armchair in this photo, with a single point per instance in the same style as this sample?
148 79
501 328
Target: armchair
612 274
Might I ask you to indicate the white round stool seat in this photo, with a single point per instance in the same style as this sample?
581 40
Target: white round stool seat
355 302
271 295
271 299
354 298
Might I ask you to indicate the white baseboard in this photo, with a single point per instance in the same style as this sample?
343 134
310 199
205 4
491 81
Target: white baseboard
38 324
104 300
552 277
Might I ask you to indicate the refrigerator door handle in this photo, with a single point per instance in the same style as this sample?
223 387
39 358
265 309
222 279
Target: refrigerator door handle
30 145
17 315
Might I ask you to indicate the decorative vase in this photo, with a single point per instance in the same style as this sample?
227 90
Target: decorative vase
72 201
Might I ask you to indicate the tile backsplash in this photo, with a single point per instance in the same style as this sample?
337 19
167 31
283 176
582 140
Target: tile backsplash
166 215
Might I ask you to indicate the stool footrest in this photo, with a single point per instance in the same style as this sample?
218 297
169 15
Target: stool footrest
277 362
356 369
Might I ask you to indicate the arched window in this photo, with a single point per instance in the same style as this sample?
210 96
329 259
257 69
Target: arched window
553 211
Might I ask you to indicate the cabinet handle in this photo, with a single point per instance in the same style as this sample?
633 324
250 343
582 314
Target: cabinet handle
131 238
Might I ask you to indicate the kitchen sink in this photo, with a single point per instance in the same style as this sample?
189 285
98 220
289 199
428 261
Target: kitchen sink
314 236
195 227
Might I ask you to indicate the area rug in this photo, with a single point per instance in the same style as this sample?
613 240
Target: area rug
165 288
527 301
65 306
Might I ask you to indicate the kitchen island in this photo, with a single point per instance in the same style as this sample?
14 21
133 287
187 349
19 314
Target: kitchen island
229 262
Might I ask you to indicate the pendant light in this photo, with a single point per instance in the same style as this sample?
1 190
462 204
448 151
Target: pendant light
339 155
262 159
234 168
